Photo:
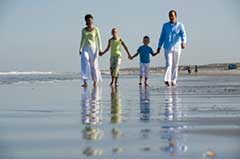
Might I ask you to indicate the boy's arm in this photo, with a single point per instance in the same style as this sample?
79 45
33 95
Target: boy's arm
108 47
125 47
154 54
135 55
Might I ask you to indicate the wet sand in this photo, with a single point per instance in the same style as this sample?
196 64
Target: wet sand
201 72
209 72
218 132
59 119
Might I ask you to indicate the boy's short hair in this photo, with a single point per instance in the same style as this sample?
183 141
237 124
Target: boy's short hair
87 16
146 37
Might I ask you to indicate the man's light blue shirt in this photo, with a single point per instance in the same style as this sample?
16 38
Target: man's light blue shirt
172 36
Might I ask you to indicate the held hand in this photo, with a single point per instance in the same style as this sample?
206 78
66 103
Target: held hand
129 57
101 53
80 52
158 50
183 45
154 54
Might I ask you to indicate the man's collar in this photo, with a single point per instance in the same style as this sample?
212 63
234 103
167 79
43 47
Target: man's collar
173 22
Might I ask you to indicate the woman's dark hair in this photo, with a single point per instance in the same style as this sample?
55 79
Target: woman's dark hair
87 16
172 11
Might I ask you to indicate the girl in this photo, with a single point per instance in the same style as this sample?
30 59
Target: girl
115 59
88 52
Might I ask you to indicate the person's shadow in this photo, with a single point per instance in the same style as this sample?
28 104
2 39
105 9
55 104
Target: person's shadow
173 114
91 118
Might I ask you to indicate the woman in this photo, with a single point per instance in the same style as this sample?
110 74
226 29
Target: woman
88 52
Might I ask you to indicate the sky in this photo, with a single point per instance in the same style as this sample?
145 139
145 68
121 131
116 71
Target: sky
45 35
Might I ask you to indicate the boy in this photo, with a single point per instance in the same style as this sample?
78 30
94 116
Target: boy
144 52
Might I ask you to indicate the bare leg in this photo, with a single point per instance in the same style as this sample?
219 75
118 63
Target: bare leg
94 84
145 82
116 80
111 83
140 81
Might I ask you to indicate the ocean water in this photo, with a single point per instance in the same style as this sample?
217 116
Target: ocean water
49 115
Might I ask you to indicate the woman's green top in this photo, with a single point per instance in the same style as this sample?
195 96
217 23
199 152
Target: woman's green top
89 38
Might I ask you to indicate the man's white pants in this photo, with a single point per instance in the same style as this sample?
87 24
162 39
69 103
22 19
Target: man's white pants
89 64
172 59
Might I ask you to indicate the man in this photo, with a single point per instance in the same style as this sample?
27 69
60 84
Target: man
173 38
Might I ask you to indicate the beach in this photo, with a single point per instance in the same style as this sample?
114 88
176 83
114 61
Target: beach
177 96
220 69
49 115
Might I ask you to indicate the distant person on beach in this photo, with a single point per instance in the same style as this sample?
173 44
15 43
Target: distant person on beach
189 69
115 43
196 69
144 52
89 52
173 38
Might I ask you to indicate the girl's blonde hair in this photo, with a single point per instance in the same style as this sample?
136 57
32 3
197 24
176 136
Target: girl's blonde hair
114 29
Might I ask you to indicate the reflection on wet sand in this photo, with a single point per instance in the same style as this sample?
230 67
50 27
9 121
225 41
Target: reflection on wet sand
91 106
89 151
144 103
116 106
91 133
116 117
171 128
91 117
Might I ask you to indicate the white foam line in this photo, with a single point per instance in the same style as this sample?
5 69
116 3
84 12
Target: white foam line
25 73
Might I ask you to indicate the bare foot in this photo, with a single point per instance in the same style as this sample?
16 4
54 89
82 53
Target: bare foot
84 85
174 83
145 84
167 83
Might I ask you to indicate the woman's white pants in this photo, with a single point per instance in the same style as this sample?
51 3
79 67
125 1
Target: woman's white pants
89 64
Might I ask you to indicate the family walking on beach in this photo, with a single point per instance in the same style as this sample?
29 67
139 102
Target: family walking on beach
172 38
